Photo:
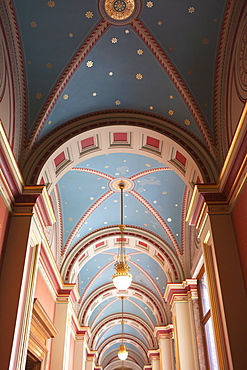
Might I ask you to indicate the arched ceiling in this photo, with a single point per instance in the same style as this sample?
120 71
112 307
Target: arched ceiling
158 64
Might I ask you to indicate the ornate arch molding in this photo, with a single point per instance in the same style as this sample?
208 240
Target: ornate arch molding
12 75
133 356
113 320
118 364
230 67
136 290
73 139
151 244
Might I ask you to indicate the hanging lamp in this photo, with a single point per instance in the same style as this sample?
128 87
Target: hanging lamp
122 277
122 353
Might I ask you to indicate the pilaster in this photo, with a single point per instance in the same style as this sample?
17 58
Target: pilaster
154 357
164 334
180 297
18 275
81 348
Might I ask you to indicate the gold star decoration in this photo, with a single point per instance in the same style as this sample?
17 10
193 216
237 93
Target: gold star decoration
190 72
114 40
33 24
38 96
159 23
65 97
205 41
48 65
187 122
51 3
89 63
170 112
139 76
191 9
150 4
139 51
89 14
71 35
117 102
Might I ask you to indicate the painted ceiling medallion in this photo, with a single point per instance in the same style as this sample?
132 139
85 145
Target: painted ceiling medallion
128 184
119 11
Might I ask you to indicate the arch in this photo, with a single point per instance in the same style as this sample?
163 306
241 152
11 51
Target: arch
108 290
169 139
148 243
115 319
118 364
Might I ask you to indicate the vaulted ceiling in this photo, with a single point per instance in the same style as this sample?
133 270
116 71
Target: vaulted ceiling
120 90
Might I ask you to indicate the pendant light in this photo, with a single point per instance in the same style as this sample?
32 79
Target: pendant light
122 277
122 353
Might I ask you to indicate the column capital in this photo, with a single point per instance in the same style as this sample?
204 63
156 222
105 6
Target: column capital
83 333
154 354
147 367
68 293
181 292
163 332
91 355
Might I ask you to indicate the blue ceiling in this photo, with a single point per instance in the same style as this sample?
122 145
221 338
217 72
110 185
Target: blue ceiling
187 35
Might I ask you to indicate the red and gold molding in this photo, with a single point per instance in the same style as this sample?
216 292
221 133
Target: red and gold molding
183 292
164 332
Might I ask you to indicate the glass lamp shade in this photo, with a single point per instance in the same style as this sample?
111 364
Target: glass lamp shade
122 282
122 278
122 353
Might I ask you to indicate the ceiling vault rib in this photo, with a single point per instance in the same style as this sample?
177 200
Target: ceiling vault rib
83 219
159 219
177 80
63 80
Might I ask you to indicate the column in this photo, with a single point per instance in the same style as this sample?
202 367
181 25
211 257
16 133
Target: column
91 359
226 290
154 357
18 277
61 343
80 349
180 297
164 334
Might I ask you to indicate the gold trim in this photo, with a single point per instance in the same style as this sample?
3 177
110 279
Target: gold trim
233 144
10 154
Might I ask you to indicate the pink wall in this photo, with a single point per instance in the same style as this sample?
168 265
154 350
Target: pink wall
239 219
43 294
71 352
4 214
